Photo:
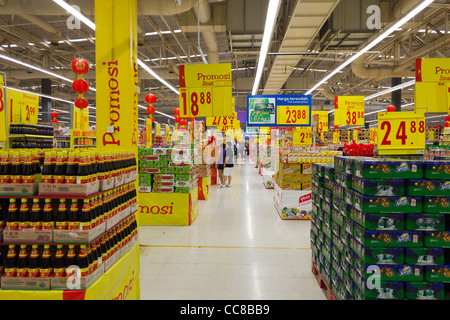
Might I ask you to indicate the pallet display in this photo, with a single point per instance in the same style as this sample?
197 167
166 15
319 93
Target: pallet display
379 229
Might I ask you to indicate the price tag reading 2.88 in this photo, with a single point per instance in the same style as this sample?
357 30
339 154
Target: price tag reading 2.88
401 133
196 102
293 115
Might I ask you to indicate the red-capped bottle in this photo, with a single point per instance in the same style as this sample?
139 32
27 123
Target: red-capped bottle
22 262
33 262
45 269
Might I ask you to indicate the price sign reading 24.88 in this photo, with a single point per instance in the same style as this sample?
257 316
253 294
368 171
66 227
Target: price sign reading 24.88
401 133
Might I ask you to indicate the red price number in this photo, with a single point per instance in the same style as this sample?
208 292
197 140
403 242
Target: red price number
402 133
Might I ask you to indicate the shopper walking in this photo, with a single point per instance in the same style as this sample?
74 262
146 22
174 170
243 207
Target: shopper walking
220 166
229 164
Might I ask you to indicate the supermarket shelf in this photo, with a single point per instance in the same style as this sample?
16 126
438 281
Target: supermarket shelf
88 137
84 146
29 136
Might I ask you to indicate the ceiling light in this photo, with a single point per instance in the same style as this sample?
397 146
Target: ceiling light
153 73
399 87
272 13
42 95
380 38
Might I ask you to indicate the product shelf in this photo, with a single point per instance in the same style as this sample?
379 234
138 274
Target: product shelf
15 136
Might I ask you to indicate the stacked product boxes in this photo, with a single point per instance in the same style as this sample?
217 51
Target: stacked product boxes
161 170
380 228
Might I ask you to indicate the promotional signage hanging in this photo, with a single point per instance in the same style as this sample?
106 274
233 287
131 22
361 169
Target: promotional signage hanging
3 104
401 133
336 137
205 90
251 130
323 120
302 136
23 107
279 110
349 110
224 123
432 88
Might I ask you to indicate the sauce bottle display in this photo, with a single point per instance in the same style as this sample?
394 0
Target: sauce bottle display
16 168
33 263
24 215
5 168
82 261
86 215
22 262
11 262
12 218
45 269
61 216
74 216
47 216
35 216
59 266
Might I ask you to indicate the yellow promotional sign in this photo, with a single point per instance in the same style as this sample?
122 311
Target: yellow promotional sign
293 115
302 136
323 120
433 70
432 97
81 118
23 107
349 110
401 133
3 106
372 135
349 136
430 134
205 90
168 137
355 135
149 132
158 129
174 209
116 74
336 137
322 136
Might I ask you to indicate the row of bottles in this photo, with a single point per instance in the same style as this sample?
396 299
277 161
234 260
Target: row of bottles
64 260
84 166
31 143
19 166
33 129
66 214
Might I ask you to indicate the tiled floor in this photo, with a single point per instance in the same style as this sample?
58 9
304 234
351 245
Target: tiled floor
237 248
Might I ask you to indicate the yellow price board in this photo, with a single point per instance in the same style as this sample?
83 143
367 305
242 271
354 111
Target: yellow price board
373 135
355 135
23 107
223 123
2 110
336 137
349 136
302 136
149 132
205 90
323 120
349 111
401 133
293 115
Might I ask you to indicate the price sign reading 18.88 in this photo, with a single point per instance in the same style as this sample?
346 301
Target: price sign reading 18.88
195 102
401 133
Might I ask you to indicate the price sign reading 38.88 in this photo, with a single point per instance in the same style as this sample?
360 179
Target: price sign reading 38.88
401 133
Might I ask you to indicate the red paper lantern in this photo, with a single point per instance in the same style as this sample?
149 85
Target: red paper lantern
150 98
192 118
153 120
54 114
391 109
80 66
54 120
177 120
447 117
81 103
447 124
176 112
151 110
436 127
80 86
358 129
441 127
183 122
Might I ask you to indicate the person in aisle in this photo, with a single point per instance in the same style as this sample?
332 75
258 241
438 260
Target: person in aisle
229 164
220 160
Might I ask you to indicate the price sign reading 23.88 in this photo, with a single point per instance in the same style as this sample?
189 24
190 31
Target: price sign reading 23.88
293 115
401 133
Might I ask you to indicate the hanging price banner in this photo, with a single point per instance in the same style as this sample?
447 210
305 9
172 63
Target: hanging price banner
349 110
336 137
323 120
2 110
349 136
401 133
205 90
355 135
430 134
293 115
149 133
23 107
373 133
302 136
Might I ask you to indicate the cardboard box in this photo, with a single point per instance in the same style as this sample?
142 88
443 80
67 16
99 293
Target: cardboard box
163 189
387 169
424 291
306 168
437 170
35 284
382 255
31 236
163 183
422 187
68 190
425 222
438 273
80 283
395 272
371 204
436 204
399 239
379 187
150 170
437 239
146 189
388 290
380 221
78 236
424 256
18 189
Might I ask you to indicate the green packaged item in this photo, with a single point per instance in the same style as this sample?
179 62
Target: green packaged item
383 221
387 290
182 190
438 273
394 272
329 172
328 196
436 204
160 164
428 187
382 255
144 164
437 239
424 291
339 164
437 170
425 222
182 177
182 170
424 256
344 179
168 170
163 177
371 204
388 169
379 187
401 239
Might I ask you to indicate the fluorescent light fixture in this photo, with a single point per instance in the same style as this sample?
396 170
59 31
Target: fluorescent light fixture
380 38
272 13
399 87
75 13
153 73
41 95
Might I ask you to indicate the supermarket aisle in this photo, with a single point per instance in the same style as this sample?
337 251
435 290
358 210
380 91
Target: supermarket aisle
237 248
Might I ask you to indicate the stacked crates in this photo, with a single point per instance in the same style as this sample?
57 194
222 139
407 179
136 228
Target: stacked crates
380 228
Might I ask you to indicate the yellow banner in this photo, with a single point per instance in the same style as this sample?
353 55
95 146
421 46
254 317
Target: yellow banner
23 107
302 136
174 209
323 120
430 134
336 137
3 106
168 137
121 281
432 97
372 135
81 118
158 129
355 135
149 132
349 136
293 115
117 73
205 90
401 133
349 110
433 70
204 188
